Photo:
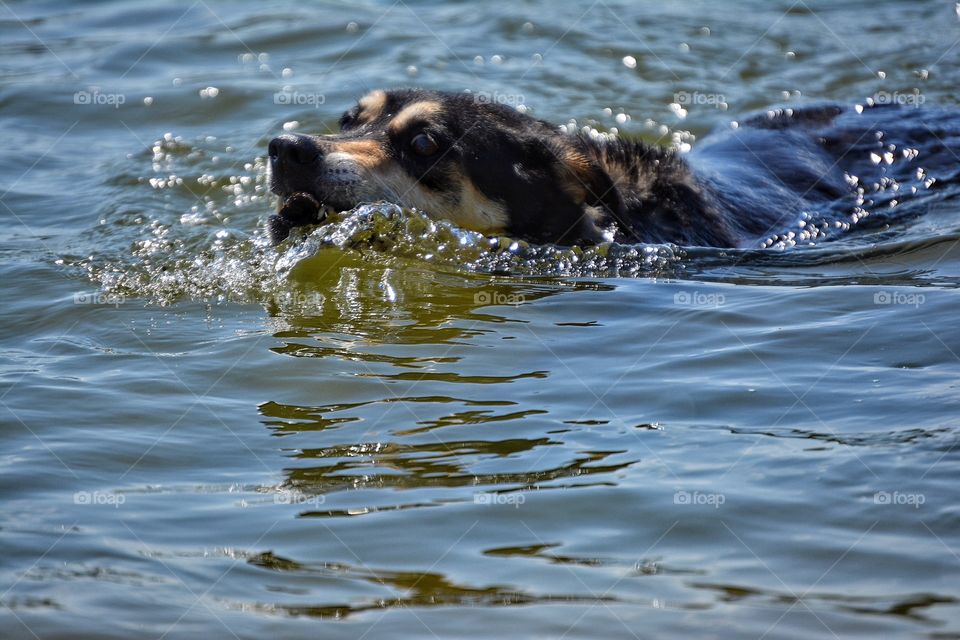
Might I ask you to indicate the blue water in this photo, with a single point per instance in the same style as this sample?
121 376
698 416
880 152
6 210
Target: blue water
384 429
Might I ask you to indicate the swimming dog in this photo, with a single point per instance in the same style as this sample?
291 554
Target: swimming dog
490 168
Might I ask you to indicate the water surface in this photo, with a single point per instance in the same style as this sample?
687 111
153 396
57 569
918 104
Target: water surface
387 428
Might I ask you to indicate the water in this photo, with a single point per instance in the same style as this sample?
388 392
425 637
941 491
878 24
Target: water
390 427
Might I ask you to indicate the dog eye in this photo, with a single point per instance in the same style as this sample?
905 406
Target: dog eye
424 145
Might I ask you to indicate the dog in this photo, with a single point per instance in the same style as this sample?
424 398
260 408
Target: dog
785 175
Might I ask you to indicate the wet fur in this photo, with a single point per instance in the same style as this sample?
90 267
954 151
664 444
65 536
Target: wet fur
499 171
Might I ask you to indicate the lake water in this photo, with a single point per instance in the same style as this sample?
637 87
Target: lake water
383 429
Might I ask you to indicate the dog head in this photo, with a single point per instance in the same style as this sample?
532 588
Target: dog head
485 167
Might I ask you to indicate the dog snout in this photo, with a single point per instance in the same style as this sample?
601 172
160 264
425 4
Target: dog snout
292 149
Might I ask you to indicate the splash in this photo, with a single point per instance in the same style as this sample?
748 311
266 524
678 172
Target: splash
184 261
199 232
411 234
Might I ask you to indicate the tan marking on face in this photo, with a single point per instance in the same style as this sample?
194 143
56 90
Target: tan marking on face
391 182
467 208
423 110
369 154
371 106
478 212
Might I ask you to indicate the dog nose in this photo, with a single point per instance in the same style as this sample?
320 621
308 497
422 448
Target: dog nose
293 149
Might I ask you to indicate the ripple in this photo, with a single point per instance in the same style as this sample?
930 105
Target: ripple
942 439
395 465
412 589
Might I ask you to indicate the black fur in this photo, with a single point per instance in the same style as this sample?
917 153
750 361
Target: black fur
737 188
